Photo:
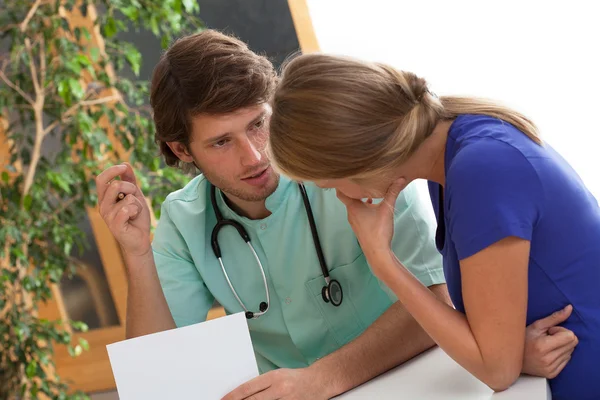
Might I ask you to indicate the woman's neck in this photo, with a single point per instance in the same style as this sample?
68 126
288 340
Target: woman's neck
429 158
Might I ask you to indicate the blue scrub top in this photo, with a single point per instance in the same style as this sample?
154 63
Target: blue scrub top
499 183
299 327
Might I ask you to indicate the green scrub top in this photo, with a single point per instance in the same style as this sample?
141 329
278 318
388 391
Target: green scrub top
299 327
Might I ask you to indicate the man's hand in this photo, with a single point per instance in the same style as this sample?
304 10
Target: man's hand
548 347
128 219
284 384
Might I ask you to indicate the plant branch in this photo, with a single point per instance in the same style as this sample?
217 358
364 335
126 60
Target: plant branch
32 11
66 204
42 61
15 87
84 103
8 27
34 76
38 110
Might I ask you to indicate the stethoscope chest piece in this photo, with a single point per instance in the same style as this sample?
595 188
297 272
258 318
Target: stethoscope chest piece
332 293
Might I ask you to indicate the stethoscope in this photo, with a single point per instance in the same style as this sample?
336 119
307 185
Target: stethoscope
331 292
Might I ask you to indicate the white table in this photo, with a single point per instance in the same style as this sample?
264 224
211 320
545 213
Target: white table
433 375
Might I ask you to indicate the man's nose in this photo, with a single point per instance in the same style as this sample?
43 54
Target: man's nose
250 154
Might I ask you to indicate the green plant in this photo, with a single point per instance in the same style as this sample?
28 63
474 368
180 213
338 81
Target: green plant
67 83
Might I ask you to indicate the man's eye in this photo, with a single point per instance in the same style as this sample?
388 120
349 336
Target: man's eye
259 124
221 143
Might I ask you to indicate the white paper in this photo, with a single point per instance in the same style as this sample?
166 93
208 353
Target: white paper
202 361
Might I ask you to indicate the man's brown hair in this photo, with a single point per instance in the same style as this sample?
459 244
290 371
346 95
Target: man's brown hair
205 73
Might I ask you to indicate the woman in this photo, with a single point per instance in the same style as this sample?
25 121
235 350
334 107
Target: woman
519 231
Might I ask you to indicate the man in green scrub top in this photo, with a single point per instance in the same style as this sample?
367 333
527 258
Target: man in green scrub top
210 101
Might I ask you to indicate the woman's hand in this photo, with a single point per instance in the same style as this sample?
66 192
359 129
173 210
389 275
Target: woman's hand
373 224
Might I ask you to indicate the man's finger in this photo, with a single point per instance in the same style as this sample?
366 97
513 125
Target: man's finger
563 338
560 364
250 388
106 177
129 175
268 394
111 194
133 205
124 214
555 318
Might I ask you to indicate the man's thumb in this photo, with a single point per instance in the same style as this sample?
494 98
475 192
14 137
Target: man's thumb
556 317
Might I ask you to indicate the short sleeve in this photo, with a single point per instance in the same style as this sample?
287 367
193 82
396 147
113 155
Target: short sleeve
187 296
414 236
493 192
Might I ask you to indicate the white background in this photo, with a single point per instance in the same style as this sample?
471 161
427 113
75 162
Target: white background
539 57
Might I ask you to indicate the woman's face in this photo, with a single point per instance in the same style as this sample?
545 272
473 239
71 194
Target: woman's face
355 190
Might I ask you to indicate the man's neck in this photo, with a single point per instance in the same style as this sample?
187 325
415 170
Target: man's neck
248 209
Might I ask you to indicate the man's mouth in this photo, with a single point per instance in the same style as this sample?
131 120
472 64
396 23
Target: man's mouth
256 175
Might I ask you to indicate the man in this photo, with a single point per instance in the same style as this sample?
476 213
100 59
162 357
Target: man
210 100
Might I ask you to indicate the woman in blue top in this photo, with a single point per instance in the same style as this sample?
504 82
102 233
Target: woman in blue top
519 231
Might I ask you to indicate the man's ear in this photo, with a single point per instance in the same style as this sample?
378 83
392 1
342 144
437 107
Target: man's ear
181 151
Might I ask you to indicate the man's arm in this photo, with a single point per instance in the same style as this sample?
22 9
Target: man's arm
147 309
128 220
392 339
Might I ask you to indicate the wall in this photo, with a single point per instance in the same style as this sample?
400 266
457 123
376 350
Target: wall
266 25
539 57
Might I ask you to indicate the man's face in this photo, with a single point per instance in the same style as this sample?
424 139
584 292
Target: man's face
230 151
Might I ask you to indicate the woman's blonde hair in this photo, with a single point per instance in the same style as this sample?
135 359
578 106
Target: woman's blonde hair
338 117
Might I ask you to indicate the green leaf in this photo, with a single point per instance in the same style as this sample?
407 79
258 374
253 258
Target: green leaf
34 390
27 202
131 12
59 181
31 369
154 25
86 34
55 276
134 57
75 351
76 88
190 5
177 6
5 177
72 66
164 41
110 28
94 54
84 344
63 91
155 164
80 326
67 247
83 60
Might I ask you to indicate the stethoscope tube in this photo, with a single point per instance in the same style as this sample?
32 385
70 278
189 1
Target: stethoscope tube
331 293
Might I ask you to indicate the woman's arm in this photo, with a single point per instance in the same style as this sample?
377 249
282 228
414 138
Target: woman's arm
489 340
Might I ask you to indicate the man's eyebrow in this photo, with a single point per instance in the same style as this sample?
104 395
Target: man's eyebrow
218 138
255 120
215 139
